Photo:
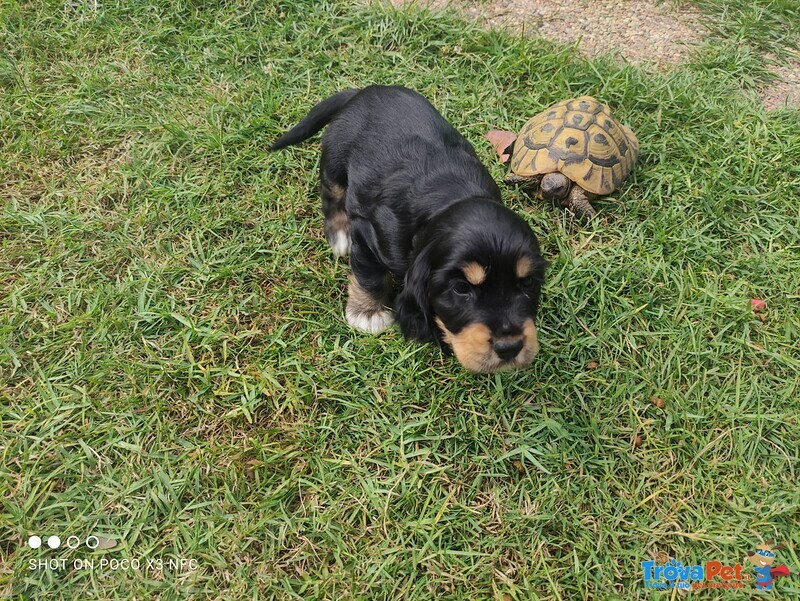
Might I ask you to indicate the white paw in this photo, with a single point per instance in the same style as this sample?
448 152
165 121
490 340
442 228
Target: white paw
340 244
370 322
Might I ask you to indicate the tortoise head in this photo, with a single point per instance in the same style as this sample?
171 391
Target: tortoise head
555 186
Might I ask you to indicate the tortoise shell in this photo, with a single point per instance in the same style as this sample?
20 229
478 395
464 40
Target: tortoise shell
581 139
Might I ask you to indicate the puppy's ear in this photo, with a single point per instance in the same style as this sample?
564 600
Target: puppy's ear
412 305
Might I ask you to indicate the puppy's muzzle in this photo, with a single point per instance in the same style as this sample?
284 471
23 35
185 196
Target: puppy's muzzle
479 350
508 347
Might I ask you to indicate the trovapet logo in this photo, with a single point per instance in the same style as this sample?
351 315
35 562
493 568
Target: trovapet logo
711 574
717 574
762 558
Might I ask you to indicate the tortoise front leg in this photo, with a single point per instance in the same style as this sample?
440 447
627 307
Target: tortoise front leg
512 179
578 202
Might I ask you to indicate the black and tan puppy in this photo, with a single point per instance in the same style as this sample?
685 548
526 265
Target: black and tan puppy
406 196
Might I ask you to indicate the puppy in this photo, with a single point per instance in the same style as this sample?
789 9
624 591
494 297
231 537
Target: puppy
405 195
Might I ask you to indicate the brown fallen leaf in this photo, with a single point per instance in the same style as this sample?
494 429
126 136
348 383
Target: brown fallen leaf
592 365
501 140
658 402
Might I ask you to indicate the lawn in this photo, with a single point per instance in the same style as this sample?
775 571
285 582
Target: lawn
177 376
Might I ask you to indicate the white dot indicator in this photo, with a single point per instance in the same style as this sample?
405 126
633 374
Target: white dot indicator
94 543
54 542
73 542
34 542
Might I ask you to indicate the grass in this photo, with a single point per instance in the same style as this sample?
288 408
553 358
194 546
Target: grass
177 375
756 40
769 26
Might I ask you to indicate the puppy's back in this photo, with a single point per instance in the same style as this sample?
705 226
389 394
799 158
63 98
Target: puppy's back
379 118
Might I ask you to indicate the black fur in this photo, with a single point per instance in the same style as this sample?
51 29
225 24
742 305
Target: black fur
487 233
420 205
316 119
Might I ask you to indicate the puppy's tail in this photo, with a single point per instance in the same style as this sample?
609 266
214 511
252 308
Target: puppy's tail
317 118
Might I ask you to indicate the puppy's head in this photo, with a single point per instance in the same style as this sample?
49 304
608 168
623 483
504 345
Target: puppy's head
474 285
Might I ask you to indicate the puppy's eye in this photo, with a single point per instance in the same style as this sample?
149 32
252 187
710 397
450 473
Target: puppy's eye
526 282
462 288
526 285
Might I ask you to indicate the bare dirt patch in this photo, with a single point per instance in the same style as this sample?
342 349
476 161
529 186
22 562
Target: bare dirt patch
638 31
786 91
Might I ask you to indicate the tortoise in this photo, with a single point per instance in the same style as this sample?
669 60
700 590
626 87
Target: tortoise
575 151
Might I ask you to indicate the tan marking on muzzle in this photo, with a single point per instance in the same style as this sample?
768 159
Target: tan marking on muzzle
475 273
472 347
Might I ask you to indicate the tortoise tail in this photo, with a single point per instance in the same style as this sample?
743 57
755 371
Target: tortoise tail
317 118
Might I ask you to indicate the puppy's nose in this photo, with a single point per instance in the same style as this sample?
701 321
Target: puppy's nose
507 348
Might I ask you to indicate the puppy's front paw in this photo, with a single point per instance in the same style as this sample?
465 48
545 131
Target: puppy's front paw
368 321
365 311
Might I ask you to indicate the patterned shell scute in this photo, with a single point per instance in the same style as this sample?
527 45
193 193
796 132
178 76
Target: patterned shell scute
581 139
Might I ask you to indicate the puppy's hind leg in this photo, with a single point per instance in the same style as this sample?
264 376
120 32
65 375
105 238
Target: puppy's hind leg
337 224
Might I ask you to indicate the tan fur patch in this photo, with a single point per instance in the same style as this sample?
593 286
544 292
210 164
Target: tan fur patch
472 347
475 273
524 267
365 311
530 347
339 222
336 191
360 301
